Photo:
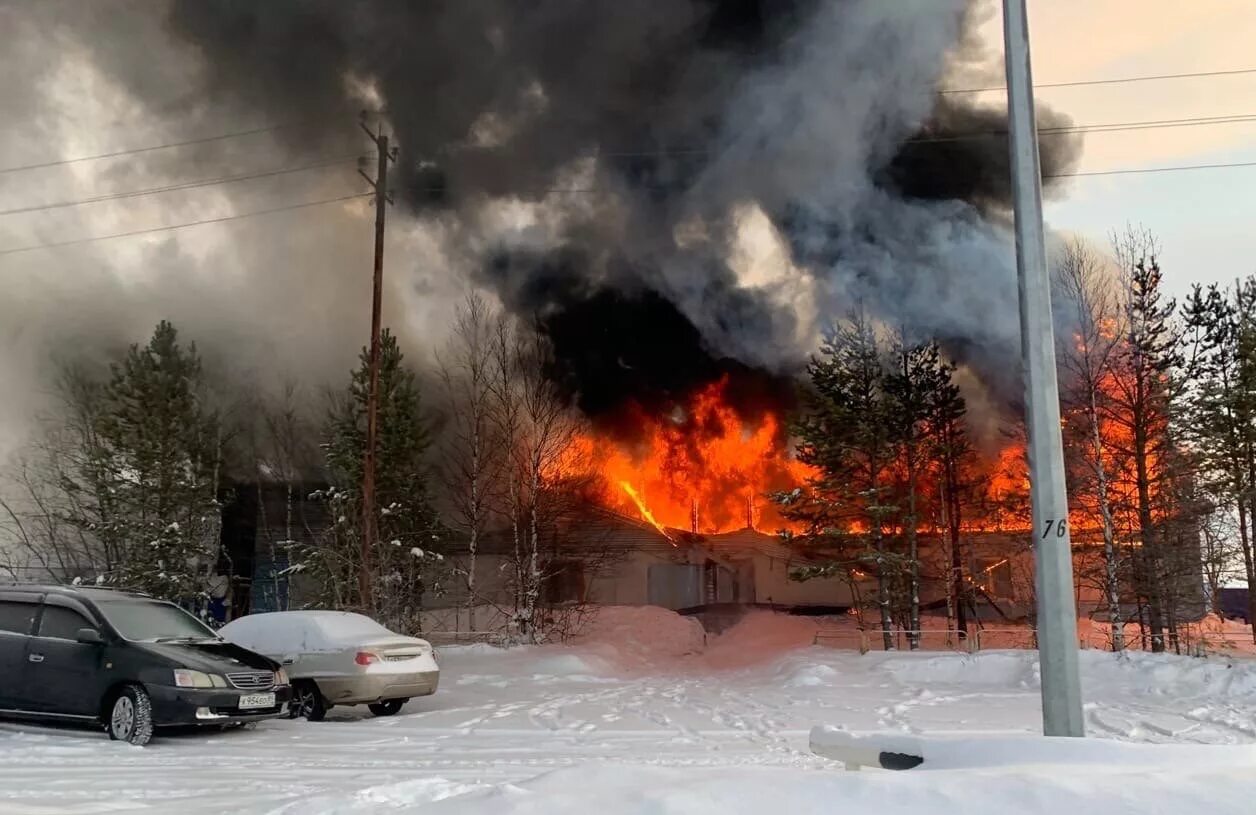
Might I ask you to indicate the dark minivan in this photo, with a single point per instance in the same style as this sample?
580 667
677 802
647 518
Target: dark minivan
126 661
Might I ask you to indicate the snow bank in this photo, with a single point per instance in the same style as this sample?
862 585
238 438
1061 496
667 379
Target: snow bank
1170 675
631 790
986 669
967 753
642 634
812 676
760 636
387 797
1140 673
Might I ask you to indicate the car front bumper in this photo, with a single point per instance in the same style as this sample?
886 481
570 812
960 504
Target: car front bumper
185 706
368 688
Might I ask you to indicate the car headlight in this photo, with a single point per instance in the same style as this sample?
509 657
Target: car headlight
193 679
218 681
281 677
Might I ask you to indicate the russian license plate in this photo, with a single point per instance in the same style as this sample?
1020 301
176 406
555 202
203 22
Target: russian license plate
256 700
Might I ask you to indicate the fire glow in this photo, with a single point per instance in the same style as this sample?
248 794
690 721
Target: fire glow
706 469
702 469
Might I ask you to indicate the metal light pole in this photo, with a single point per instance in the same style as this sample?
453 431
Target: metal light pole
1057 613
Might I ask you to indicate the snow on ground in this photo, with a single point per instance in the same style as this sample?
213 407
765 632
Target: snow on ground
657 724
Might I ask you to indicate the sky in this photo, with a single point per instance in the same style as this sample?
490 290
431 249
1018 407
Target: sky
1203 218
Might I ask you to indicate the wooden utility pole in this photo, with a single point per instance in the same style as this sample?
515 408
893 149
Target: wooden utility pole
369 520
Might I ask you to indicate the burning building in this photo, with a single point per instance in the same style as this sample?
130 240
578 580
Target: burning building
680 196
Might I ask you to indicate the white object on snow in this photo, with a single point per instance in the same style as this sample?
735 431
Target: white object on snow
900 751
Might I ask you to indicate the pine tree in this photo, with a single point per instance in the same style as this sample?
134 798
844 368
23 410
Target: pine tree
1221 403
952 455
1141 403
153 468
406 560
847 434
919 392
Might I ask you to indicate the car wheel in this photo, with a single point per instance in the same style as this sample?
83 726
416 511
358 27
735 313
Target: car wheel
307 702
131 716
388 707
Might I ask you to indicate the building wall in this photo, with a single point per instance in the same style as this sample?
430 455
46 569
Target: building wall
773 586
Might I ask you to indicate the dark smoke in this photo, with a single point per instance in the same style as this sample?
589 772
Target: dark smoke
642 128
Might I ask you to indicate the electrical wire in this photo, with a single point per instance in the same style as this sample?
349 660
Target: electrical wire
166 146
1116 127
1118 81
1141 170
236 217
271 128
187 185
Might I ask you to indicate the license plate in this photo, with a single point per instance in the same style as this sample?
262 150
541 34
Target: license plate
256 700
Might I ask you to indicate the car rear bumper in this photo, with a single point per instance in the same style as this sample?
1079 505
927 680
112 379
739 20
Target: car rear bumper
357 690
184 706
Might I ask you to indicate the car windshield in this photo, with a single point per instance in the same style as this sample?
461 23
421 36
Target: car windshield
154 621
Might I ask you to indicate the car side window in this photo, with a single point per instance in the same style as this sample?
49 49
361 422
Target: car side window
62 623
17 617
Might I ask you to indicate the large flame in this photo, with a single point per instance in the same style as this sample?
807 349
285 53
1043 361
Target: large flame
705 469
702 469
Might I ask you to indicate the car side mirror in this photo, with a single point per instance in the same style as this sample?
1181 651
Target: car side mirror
89 636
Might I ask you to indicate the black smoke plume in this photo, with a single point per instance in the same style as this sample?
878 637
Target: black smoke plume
644 133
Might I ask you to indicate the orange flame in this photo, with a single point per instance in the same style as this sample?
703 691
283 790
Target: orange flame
703 469
646 514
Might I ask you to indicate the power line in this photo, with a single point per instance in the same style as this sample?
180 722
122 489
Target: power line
1122 80
1141 170
1110 127
151 148
185 185
151 230
1116 127
561 190
665 187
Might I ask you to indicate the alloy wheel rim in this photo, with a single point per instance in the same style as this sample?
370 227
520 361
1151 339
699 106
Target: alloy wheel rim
123 719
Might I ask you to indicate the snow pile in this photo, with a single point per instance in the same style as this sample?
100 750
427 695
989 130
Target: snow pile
812 676
632 790
398 797
760 636
641 634
986 669
971 753
594 727
1170 675
1134 671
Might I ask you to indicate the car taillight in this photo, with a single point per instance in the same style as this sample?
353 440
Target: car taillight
365 658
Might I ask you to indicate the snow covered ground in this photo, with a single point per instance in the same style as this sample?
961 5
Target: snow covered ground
643 718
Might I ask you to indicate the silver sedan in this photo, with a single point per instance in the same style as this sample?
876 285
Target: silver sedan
340 658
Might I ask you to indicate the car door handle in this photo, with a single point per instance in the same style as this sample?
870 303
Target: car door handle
36 658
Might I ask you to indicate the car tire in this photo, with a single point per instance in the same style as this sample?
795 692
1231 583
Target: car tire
129 716
388 707
307 702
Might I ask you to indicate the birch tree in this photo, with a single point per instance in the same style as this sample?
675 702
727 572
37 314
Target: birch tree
472 453
1087 358
537 427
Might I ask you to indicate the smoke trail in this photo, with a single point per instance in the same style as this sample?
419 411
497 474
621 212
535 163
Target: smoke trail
599 165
